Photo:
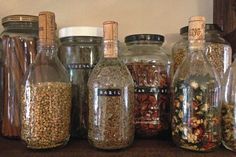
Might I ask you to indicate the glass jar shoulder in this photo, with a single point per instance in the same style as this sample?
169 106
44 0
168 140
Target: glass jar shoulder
110 73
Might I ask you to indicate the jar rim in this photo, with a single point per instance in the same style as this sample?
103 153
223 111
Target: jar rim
19 18
144 37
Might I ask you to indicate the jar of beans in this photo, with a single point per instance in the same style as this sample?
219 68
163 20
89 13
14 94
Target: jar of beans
149 66
19 50
218 50
79 52
180 48
229 108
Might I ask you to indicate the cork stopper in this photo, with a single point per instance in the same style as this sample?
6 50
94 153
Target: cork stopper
196 30
110 35
47 26
110 30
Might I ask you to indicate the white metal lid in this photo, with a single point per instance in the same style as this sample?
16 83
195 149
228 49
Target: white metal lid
80 31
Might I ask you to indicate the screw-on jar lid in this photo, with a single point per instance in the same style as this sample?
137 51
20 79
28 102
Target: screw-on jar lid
144 37
19 18
80 31
208 27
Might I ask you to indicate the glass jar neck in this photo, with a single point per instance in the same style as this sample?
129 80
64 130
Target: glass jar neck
143 48
21 27
47 49
110 49
82 40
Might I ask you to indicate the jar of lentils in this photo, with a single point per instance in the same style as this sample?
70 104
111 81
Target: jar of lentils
80 50
149 66
218 50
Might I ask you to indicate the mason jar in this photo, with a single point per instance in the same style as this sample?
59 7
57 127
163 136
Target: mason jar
19 50
149 66
79 51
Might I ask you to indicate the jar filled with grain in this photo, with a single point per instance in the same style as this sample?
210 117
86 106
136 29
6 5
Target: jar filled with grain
79 51
218 50
111 108
46 93
229 108
148 64
179 50
19 50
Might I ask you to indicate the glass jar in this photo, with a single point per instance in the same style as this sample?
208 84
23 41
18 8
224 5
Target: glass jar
79 52
180 48
46 94
219 52
229 108
110 85
196 109
149 66
19 50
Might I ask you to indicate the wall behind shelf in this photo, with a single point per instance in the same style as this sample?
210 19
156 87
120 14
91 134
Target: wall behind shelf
134 16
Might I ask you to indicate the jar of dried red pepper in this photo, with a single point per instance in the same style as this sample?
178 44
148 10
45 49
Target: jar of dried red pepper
149 66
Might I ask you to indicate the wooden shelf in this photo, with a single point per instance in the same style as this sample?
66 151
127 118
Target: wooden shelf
81 148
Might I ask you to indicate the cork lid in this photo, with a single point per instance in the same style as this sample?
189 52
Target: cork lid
47 26
196 28
110 30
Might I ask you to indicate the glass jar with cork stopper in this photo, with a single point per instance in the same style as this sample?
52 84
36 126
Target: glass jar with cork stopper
111 108
46 93
196 108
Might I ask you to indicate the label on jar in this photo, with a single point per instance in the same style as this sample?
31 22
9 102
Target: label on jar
80 66
153 90
109 92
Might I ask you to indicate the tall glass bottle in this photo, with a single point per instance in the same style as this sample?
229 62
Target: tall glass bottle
46 93
111 108
196 96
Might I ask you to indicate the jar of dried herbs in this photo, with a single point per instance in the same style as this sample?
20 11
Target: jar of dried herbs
149 66
219 52
196 108
19 50
179 50
46 93
229 108
111 108
79 51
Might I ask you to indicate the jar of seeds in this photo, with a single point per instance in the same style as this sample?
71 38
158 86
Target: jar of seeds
46 93
149 66
219 52
79 52
111 108
196 104
19 50
180 48
229 108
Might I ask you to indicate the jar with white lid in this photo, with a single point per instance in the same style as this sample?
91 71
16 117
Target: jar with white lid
79 51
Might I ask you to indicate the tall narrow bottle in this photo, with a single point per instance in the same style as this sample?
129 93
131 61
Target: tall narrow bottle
46 93
196 96
111 108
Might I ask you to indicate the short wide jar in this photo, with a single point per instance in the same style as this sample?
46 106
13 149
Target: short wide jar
149 66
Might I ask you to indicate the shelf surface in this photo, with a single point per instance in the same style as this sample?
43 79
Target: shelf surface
81 148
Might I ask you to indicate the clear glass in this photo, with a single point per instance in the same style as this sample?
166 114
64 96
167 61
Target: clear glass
111 108
19 51
46 101
150 69
179 51
229 108
196 109
219 52
79 55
